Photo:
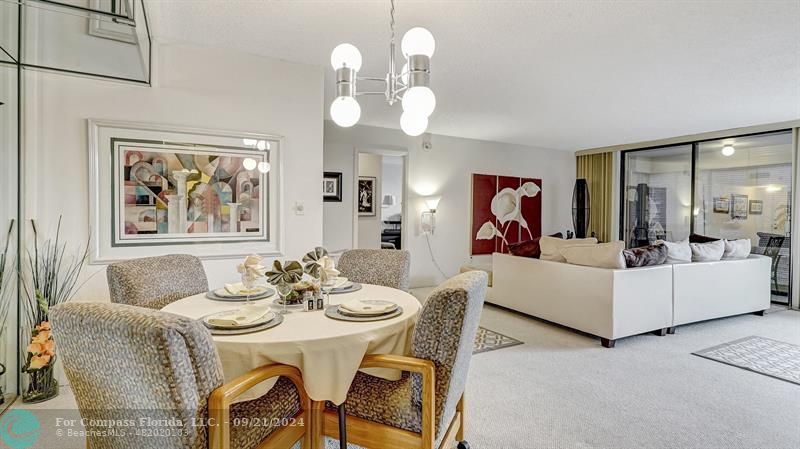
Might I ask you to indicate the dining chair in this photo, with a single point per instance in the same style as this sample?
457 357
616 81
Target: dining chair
425 408
386 267
154 282
130 363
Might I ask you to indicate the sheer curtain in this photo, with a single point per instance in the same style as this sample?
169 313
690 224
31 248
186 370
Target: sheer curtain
598 170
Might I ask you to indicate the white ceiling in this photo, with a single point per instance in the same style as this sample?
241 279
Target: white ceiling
553 74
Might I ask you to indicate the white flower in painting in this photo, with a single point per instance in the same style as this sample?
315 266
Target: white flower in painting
505 205
528 189
487 231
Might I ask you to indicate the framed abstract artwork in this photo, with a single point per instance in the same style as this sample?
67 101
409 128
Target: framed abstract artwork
722 205
159 190
366 196
739 206
332 186
756 207
505 210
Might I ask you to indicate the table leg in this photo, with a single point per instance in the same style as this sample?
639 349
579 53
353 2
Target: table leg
342 427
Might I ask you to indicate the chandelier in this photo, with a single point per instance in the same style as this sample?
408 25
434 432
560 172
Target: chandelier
411 86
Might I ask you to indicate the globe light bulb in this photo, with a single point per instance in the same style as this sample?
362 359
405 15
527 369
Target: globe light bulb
262 145
249 163
404 74
419 100
728 150
264 167
413 124
249 142
345 111
346 55
418 41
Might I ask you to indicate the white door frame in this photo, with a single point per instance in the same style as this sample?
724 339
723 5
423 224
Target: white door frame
381 150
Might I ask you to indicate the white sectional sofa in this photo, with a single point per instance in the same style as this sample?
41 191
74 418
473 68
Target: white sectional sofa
617 303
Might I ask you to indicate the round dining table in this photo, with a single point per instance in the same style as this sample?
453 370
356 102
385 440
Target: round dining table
328 352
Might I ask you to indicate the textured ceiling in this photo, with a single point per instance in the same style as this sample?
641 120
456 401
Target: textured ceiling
563 74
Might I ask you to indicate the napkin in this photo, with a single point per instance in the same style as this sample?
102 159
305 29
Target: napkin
240 317
359 306
251 266
238 289
327 269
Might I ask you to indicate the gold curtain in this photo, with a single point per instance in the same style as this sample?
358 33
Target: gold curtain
598 170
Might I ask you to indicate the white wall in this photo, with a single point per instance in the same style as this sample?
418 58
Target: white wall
194 87
445 170
369 227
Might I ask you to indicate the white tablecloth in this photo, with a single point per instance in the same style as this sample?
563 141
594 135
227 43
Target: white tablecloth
328 352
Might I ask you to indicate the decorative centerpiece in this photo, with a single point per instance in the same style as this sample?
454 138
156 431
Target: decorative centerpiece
284 278
251 270
320 266
52 279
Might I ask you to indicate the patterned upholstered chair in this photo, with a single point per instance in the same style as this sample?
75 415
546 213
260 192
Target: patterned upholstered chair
154 282
386 267
425 408
126 362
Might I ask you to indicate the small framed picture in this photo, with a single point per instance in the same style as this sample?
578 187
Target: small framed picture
739 205
756 207
722 205
332 186
366 196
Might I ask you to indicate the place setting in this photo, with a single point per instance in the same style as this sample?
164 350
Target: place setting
361 310
247 319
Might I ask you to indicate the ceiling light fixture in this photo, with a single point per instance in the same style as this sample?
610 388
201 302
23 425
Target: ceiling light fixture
411 86
728 150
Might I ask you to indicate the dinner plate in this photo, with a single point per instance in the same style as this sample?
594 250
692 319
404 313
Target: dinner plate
223 293
376 302
269 293
354 287
268 316
334 313
248 330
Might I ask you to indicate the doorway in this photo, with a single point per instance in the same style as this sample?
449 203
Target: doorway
379 197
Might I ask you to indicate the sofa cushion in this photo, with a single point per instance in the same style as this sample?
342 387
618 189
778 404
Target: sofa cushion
529 248
737 249
697 238
707 252
645 256
677 252
603 255
551 247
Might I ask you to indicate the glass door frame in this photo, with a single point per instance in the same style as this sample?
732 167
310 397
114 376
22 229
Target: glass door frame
695 143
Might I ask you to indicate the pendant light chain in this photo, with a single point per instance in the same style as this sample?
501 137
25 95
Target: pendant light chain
391 20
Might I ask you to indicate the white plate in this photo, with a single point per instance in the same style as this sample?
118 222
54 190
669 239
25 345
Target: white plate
338 282
222 292
265 318
377 302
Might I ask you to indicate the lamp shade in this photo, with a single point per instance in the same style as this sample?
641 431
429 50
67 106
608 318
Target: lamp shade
432 202
389 200
580 208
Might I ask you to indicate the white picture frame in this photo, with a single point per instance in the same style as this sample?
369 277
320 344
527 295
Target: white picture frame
107 193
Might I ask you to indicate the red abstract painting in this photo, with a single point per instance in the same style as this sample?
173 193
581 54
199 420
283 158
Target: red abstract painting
505 210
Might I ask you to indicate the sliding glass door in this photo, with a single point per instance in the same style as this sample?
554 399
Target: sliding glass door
743 189
657 195
732 188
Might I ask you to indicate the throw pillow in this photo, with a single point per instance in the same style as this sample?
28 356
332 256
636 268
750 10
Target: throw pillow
677 252
551 247
645 256
707 252
602 255
529 248
697 238
737 249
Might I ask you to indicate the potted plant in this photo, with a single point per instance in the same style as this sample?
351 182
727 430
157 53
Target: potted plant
50 278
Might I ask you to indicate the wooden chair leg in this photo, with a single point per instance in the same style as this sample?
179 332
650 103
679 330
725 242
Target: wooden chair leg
460 409
317 420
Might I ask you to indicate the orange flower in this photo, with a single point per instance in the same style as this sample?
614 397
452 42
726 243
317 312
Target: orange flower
41 337
50 347
44 326
36 348
39 361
